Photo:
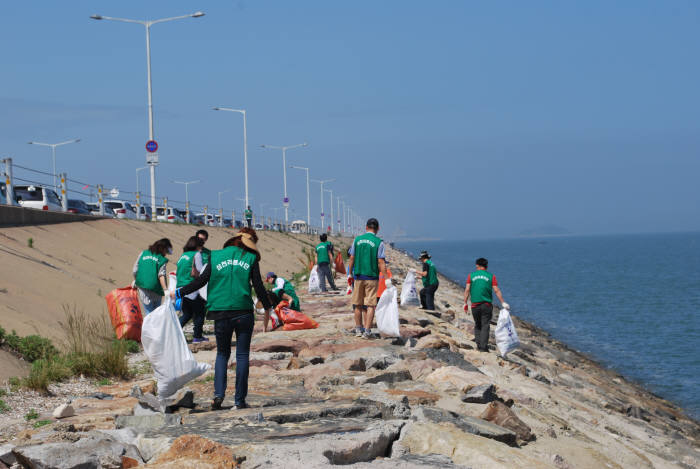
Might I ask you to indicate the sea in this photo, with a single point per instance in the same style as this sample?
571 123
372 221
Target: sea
632 302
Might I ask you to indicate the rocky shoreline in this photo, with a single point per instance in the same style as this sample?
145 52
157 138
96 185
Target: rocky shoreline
323 397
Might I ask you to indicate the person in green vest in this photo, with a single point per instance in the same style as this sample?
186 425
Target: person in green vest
366 263
430 282
150 274
324 254
249 216
284 290
229 276
480 287
202 257
193 305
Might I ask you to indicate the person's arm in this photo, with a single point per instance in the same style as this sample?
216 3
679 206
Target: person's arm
279 285
197 265
261 293
380 259
197 283
135 269
424 272
467 289
162 276
351 263
382 267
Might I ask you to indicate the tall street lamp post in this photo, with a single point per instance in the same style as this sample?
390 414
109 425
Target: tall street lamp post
285 201
308 198
323 215
221 209
245 146
151 160
53 155
187 196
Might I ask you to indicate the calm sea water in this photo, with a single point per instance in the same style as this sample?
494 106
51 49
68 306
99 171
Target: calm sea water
630 301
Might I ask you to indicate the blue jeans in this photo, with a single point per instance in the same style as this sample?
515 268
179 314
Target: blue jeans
224 328
151 306
196 310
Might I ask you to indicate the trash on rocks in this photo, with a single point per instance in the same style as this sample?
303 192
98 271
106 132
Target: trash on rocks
409 295
314 281
500 414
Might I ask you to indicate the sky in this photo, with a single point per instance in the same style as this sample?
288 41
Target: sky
446 119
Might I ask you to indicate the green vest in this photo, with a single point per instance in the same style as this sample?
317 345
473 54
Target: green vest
431 278
147 271
184 268
366 248
482 287
206 255
249 214
322 252
229 284
288 288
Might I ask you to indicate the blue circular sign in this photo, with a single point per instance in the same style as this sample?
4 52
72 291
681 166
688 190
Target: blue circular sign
285 200
151 146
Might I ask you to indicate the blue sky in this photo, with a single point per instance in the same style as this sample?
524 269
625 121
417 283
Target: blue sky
448 119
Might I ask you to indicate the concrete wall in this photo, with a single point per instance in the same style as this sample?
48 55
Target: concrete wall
20 216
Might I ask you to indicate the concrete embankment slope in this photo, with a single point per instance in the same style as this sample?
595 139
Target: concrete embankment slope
77 264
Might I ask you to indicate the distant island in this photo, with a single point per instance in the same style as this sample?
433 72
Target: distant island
545 230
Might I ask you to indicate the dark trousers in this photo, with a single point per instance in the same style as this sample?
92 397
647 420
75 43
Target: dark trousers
427 296
324 272
482 322
224 329
249 221
195 310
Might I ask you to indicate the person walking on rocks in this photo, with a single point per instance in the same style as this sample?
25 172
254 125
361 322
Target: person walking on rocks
284 290
249 216
202 257
150 274
366 263
430 282
228 277
193 305
324 254
480 287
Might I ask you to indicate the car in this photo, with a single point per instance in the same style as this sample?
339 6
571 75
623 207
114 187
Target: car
170 216
258 226
207 219
39 197
3 193
144 212
78 206
121 209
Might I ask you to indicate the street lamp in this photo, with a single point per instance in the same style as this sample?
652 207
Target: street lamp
308 199
245 146
221 210
138 194
330 191
284 149
53 155
323 215
187 196
152 161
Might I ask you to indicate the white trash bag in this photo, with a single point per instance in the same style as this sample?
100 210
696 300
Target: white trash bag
166 348
314 281
409 295
387 313
506 337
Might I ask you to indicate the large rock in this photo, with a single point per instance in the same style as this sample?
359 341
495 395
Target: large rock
6 455
152 447
182 398
419 369
196 451
414 331
87 453
465 423
147 422
500 414
454 379
280 345
482 394
394 376
431 341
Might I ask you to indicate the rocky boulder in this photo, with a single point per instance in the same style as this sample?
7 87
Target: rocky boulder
500 414
93 452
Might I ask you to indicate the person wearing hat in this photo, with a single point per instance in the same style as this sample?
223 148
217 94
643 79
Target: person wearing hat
284 290
430 282
229 276
366 263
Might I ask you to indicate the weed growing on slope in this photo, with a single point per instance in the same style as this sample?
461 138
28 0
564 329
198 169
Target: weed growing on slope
3 407
30 242
31 415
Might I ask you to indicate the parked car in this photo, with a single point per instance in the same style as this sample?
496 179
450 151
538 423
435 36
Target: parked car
144 212
171 216
38 197
258 226
78 206
3 192
121 209
207 220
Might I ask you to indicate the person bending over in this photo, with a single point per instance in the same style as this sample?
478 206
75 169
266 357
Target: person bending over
284 290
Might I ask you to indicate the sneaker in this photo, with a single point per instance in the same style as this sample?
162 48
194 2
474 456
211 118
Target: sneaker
242 406
197 340
216 403
359 331
367 334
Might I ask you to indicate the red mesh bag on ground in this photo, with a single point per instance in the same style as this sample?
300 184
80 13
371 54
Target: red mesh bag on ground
339 265
125 313
294 320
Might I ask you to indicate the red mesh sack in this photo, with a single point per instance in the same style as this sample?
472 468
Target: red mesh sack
339 265
294 320
125 313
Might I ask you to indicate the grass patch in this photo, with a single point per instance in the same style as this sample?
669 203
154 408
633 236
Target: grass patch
31 415
31 347
30 242
132 346
104 382
3 407
40 423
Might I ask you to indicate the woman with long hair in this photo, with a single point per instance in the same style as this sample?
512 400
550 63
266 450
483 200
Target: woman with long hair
193 305
229 276
150 274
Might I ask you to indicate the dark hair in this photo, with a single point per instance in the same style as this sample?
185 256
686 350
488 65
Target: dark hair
202 232
161 246
193 243
236 240
324 237
373 224
481 262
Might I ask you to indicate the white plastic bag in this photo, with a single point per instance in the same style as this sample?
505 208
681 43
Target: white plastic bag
506 337
166 348
409 295
387 313
314 281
